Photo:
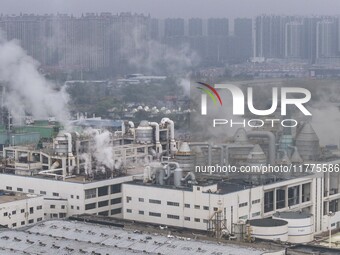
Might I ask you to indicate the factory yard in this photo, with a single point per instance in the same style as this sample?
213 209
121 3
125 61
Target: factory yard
68 237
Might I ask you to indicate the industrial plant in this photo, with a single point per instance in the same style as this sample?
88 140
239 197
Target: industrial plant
142 172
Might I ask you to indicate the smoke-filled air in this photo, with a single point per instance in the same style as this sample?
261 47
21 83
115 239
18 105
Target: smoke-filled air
28 92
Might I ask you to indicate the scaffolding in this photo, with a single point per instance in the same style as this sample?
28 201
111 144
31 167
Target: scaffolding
217 224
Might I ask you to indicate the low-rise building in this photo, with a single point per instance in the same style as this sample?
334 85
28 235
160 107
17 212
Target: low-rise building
19 209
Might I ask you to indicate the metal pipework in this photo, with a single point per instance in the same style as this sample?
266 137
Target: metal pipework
192 177
131 124
158 144
173 147
229 146
69 145
123 127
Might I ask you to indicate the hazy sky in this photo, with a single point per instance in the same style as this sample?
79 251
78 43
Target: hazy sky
175 8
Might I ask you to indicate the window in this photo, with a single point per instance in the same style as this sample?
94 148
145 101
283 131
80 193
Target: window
19 189
141 199
116 201
39 207
30 190
268 201
172 203
77 197
206 208
103 203
141 212
63 207
187 218
72 196
116 188
215 209
155 201
5 213
154 214
52 206
39 219
197 207
8 188
90 206
197 220
103 191
293 195
14 225
22 210
104 213
31 221
128 210
116 211
55 194
22 223
42 192
243 204
244 217
205 221
128 199
198 188
89 193
187 205
78 208
256 201
256 214
170 216
14 212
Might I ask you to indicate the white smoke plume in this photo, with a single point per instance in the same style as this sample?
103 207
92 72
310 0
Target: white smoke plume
153 57
101 148
27 90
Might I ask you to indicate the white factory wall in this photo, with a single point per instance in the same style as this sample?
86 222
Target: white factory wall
236 206
73 192
193 208
22 212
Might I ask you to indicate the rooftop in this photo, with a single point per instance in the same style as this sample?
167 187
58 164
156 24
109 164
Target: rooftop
11 196
68 237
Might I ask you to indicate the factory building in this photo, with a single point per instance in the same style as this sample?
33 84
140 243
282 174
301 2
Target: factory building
18 209
144 174
82 172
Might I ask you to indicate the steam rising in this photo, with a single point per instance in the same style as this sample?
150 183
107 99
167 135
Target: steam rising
100 150
26 90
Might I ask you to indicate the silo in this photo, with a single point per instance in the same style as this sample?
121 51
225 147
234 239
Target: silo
238 155
185 158
307 143
300 226
269 229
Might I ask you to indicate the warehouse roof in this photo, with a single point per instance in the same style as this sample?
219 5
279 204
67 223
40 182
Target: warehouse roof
68 237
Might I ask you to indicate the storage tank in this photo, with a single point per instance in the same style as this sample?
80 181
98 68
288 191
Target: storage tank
61 144
307 143
300 226
185 158
144 133
239 155
269 229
